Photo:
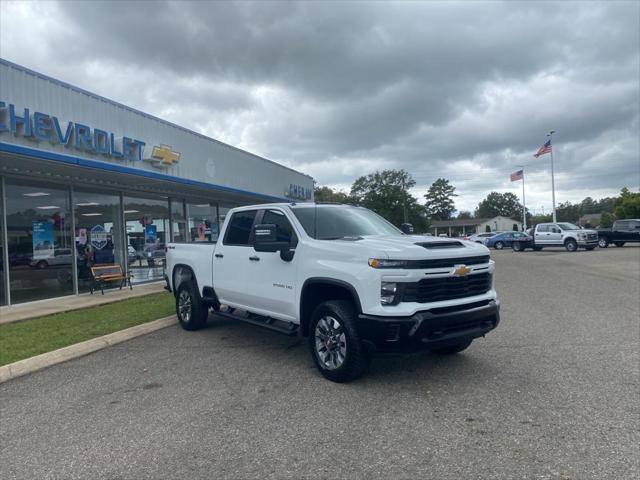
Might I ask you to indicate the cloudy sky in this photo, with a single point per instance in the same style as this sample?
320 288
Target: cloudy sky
461 90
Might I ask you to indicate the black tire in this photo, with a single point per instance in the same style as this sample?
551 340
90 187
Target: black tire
619 244
571 245
339 341
603 243
537 249
517 247
498 245
191 311
452 349
590 248
42 264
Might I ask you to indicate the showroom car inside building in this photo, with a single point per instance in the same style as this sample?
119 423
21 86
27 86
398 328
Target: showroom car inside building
87 181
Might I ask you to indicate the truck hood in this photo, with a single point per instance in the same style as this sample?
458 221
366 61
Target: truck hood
416 247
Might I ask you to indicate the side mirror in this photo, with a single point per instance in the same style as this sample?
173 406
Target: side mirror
407 228
265 240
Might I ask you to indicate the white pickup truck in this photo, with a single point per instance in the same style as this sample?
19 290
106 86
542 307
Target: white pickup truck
343 277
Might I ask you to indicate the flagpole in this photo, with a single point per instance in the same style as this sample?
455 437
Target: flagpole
553 182
524 206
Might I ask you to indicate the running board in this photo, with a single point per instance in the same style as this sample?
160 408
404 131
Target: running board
288 328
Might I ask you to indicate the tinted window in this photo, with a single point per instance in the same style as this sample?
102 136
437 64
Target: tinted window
284 230
331 223
239 229
621 225
543 228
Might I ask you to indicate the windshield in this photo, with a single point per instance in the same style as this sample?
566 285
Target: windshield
333 223
568 226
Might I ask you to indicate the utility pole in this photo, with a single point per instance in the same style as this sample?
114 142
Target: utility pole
524 203
404 201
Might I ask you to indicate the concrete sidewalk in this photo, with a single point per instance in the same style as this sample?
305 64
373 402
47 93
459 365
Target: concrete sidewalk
17 313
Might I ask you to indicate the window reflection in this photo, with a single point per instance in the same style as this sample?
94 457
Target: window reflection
147 225
40 246
203 222
98 235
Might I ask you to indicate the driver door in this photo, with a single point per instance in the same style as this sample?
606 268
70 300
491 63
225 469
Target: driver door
271 281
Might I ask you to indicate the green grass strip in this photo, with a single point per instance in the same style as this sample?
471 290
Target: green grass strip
39 335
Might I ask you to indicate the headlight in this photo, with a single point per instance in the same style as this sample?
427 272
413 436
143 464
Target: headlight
385 263
582 235
388 291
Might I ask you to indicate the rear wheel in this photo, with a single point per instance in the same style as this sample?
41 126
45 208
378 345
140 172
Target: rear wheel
537 249
517 247
603 243
191 311
499 245
334 342
619 244
571 245
452 349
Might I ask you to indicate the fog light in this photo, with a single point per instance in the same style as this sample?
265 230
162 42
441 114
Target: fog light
388 292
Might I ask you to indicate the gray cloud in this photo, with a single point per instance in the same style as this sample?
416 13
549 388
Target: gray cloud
463 90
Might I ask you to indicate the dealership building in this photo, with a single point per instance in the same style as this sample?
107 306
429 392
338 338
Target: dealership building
86 181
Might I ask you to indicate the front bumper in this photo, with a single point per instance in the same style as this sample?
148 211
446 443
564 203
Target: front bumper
429 329
588 243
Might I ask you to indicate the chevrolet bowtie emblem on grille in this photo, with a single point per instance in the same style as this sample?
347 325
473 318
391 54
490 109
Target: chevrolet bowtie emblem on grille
164 156
461 271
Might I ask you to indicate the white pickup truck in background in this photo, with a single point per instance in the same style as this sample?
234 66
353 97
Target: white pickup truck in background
343 277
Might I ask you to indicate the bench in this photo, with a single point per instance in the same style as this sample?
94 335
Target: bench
103 274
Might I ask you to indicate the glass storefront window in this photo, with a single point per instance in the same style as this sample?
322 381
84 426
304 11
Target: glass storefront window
147 231
178 221
40 244
3 299
98 235
203 222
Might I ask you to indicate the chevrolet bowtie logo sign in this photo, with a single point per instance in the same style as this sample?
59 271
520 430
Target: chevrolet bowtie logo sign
461 271
163 156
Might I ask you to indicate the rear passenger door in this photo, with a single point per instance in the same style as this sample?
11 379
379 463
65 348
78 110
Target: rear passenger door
231 259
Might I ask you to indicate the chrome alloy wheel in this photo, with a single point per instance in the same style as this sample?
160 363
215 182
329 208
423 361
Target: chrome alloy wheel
184 306
331 343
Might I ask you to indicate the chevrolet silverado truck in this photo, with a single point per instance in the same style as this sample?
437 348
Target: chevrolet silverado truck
621 232
341 276
559 234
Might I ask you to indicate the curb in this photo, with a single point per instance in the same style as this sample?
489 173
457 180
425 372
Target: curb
39 362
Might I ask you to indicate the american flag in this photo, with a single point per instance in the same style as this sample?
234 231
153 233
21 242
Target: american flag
519 175
546 148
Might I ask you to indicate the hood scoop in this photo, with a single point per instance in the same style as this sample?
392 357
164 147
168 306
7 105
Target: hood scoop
441 245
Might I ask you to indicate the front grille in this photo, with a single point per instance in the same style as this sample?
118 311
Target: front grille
446 288
446 262
592 236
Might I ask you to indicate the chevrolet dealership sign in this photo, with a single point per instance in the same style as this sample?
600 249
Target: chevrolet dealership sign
39 127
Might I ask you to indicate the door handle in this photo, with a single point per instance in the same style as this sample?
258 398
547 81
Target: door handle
219 255
254 259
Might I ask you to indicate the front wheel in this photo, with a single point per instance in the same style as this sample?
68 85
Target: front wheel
452 349
603 243
334 342
619 244
499 245
192 313
571 245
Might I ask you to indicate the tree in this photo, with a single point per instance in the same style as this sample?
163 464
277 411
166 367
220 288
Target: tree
464 215
568 212
439 205
326 194
627 205
386 193
505 204
606 220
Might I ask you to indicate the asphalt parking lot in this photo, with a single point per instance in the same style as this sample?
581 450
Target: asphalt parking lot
554 393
